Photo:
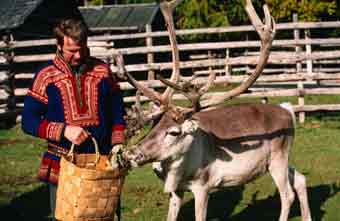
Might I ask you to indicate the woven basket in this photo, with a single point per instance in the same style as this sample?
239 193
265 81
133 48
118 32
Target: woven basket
88 188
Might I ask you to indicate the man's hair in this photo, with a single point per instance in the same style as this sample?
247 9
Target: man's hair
73 28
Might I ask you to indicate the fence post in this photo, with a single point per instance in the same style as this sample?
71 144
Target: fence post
309 52
109 57
301 99
10 84
150 57
210 57
227 65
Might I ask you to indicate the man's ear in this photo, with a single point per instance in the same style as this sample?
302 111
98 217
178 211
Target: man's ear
189 126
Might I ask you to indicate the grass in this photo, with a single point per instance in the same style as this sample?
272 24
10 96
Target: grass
316 153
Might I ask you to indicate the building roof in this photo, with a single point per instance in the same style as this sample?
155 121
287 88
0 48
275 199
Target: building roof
30 19
119 17
14 12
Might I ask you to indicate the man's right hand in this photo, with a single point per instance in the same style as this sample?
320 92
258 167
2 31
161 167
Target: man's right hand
75 134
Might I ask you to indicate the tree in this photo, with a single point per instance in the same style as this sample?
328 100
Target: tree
210 13
307 10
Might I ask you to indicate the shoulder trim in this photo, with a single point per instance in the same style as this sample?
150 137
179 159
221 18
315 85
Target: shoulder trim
42 79
99 68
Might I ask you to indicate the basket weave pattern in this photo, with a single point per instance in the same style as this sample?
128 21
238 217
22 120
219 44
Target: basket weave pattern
88 191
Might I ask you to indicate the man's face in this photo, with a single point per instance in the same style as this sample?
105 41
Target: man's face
73 52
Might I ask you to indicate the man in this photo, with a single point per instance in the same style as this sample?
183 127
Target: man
71 98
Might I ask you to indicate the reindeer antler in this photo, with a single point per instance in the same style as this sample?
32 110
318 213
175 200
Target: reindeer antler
191 91
266 32
164 99
167 9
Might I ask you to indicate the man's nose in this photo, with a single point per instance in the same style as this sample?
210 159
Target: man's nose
77 55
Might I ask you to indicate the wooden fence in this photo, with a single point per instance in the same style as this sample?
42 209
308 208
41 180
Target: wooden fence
300 56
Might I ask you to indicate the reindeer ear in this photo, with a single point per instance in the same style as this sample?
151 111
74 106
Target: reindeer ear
189 126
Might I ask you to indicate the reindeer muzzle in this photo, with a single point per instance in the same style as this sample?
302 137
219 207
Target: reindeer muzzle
135 156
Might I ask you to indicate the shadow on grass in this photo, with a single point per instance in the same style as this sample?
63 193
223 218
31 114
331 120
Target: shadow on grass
29 206
35 205
222 204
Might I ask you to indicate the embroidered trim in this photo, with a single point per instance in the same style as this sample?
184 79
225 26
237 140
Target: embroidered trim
44 78
60 63
49 170
54 130
37 96
51 130
73 114
88 114
57 150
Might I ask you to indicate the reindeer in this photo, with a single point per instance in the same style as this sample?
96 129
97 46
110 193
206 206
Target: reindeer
207 147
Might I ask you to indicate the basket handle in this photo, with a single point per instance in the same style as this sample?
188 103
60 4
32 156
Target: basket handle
70 154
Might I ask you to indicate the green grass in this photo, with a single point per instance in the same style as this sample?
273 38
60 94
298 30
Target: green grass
316 153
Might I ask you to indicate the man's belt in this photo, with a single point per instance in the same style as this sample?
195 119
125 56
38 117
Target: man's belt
57 150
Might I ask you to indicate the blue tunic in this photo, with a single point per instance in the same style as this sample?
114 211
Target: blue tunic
58 98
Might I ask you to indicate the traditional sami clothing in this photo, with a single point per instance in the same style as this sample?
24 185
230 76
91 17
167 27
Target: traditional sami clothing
88 97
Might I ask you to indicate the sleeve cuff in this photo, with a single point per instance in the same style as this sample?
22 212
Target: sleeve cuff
51 130
118 134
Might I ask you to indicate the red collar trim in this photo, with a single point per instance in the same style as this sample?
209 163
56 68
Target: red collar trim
61 64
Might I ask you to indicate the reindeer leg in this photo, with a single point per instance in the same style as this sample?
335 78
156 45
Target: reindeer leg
278 169
175 205
298 181
201 203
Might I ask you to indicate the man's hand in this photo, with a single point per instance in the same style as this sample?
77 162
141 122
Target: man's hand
75 134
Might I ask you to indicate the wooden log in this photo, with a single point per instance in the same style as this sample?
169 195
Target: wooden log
224 45
52 42
20 91
3 76
229 29
322 107
150 56
231 79
242 60
245 28
2 60
235 61
259 94
3 94
24 76
301 102
317 71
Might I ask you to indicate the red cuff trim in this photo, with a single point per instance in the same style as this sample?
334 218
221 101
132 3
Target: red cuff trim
51 130
49 170
42 129
54 131
118 134
118 127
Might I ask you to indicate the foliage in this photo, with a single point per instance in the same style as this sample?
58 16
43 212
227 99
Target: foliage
137 1
95 2
217 13
213 13
210 13
307 10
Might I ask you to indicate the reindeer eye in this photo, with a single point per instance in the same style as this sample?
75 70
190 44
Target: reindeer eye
174 132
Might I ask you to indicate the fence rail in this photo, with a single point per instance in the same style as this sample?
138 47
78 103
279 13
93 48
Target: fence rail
297 57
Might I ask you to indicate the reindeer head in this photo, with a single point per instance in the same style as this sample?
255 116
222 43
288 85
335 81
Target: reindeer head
175 131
